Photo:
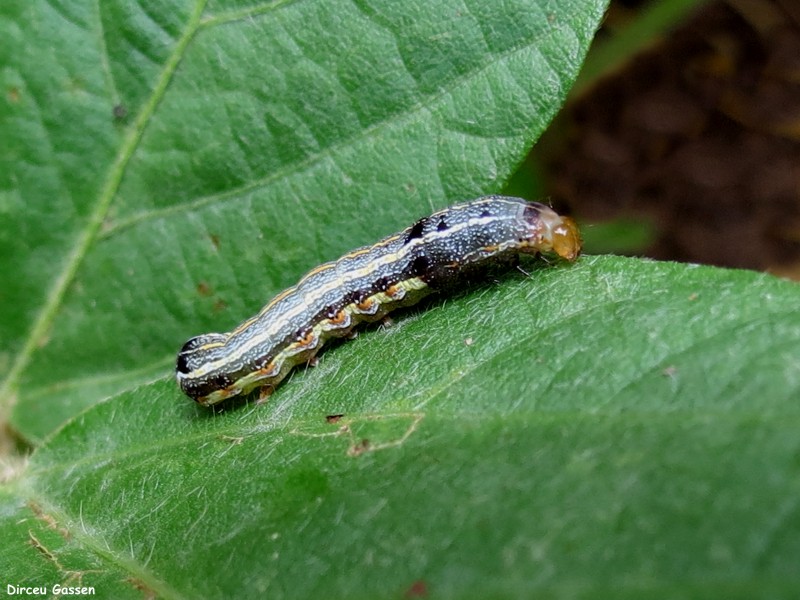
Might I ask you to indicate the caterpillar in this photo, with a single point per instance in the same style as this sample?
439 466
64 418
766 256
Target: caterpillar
364 285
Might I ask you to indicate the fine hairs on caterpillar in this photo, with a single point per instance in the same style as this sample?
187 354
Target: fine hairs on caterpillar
365 285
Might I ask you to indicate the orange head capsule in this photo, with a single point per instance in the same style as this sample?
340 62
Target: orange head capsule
554 233
567 239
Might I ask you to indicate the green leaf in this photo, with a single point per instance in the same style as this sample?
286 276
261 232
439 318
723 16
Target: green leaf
614 427
167 167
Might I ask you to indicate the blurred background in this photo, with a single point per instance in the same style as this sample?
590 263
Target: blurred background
681 138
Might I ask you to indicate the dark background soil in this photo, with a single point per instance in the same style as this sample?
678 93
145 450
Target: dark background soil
699 135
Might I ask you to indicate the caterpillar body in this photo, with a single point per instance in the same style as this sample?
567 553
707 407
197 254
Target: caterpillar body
364 285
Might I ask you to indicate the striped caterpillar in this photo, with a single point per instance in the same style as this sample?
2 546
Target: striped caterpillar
365 285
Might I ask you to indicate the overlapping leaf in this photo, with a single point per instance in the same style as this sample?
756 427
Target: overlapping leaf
174 164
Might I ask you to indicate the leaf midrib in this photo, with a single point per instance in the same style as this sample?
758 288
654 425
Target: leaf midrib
54 299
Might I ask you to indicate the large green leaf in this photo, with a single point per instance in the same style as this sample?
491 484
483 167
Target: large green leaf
169 166
613 427
610 428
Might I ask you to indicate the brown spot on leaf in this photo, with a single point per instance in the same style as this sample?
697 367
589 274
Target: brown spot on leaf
418 589
359 448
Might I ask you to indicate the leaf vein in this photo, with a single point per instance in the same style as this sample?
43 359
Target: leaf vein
411 113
